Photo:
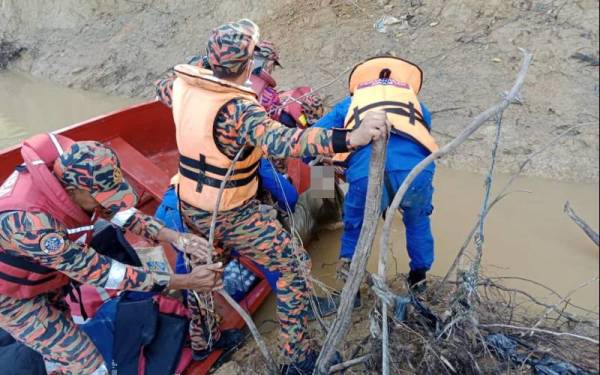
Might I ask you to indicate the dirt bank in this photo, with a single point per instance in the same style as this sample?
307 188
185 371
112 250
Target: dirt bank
467 48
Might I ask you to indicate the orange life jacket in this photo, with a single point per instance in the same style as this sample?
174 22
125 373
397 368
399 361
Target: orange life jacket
390 84
198 96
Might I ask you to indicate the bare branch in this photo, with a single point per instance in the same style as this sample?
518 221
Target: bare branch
592 234
504 192
554 333
565 298
260 342
341 324
351 363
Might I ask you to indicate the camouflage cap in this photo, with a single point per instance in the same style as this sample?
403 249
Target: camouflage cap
268 51
312 107
93 167
231 46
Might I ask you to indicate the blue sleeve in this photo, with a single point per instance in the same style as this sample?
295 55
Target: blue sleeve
426 114
280 187
335 118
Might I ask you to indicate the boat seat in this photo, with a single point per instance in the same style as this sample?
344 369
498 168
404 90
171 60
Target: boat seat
141 170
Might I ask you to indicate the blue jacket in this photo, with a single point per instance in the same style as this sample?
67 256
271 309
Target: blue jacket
402 155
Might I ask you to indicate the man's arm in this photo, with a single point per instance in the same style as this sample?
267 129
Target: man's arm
256 128
39 236
164 85
149 227
336 117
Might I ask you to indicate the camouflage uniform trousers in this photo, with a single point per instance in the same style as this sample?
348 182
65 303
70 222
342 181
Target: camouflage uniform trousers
253 230
43 323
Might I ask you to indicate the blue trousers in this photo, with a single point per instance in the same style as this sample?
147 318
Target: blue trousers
416 208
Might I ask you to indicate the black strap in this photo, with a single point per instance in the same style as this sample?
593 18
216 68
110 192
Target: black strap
203 166
203 179
409 110
20 281
76 286
24 264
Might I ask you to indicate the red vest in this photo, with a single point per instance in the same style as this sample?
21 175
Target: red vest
264 86
33 188
293 106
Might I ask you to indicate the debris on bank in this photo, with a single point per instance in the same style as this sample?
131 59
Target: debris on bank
9 51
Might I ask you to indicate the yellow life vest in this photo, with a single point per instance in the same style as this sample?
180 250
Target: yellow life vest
390 84
198 96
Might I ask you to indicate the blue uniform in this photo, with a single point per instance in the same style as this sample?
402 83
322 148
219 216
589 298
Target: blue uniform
402 156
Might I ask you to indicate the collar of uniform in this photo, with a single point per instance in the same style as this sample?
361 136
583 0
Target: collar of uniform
203 78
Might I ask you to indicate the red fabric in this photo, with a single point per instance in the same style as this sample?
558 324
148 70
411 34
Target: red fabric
294 107
37 190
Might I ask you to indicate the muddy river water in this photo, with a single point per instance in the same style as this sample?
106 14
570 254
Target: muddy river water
527 235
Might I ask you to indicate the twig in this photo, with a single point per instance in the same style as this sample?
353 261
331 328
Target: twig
554 333
451 109
552 291
260 342
213 223
341 324
351 363
565 298
592 234
479 235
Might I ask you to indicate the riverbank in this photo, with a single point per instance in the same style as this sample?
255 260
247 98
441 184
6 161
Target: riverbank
467 48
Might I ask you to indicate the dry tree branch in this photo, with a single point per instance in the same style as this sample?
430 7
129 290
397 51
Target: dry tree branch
592 234
554 333
385 242
351 363
564 299
341 324
504 193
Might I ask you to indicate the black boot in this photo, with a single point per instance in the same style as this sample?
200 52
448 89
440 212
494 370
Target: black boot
307 367
329 306
230 339
417 280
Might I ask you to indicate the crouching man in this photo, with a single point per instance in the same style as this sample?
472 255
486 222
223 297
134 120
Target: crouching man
47 209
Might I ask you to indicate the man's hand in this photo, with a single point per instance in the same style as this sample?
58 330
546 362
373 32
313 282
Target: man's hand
193 245
373 126
206 278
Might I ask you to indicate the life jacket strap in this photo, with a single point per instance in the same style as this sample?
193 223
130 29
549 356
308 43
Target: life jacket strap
196 170
399 108
202 165
22 263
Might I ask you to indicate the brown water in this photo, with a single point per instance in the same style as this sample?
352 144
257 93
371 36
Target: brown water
29 106
527 235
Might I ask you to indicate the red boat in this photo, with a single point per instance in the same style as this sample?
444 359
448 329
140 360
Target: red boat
143 136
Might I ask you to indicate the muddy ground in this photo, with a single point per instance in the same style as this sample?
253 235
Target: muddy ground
467 48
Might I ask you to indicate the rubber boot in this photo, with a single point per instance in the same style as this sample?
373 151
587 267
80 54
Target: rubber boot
417 280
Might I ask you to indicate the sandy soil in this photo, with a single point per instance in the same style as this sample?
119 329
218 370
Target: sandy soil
467 48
